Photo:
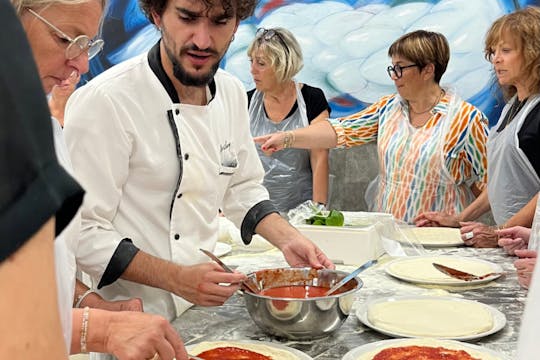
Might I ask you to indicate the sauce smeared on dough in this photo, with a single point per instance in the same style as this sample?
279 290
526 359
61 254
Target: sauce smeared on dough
422 353
231 353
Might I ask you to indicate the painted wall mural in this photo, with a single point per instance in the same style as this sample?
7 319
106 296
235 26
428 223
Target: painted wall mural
344 42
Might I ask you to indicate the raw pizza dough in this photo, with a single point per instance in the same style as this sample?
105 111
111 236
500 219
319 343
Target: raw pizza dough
434 318
452 345
422 269
434 236
270 351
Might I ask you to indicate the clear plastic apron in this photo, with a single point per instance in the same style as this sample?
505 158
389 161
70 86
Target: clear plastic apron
288 175
512 180
413 177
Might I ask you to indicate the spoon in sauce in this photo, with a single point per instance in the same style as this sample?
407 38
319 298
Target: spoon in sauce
350 276
245 285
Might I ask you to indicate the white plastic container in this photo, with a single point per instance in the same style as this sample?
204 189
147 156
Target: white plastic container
347 245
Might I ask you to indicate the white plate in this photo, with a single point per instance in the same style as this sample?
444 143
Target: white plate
435 237
301 355
499 319
355 353
222 249
426 273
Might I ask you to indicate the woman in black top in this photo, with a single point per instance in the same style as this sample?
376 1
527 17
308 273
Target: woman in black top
59 34
34 189
512 45
279 103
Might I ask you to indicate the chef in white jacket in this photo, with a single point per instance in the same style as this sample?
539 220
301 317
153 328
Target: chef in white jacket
161 143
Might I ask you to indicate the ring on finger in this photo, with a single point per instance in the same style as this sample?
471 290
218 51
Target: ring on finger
469 235
155 357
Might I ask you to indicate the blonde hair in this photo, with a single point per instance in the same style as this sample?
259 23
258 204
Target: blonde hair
523 27
20 5
282 51
422 48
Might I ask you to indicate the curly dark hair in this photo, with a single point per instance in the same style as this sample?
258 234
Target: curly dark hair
244 8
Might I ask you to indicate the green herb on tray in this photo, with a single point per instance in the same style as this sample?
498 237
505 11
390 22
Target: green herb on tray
334 218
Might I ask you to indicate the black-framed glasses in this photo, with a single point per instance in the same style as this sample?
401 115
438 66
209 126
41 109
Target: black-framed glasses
76 46
263 34
397 70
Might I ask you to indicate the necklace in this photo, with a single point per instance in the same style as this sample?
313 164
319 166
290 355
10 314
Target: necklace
515 108
430 108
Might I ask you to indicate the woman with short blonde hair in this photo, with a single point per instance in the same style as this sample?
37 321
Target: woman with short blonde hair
280 103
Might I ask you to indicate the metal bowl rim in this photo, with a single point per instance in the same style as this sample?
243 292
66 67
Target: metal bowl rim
358 286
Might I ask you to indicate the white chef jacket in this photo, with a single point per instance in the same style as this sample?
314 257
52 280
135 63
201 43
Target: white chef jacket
124 154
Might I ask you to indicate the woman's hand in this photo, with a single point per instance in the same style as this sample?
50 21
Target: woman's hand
435 218
135 335
525 266
514 238
95 301
478 235
271 143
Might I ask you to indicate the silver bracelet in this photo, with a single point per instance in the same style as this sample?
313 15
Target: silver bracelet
80 298
84 330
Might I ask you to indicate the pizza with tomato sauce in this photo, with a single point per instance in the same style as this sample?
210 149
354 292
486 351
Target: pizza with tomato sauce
420 349
416 352
241 350
231 353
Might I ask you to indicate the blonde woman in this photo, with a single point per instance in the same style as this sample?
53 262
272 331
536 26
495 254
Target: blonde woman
279 103
63 36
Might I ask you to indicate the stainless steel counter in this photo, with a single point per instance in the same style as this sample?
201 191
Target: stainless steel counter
232 322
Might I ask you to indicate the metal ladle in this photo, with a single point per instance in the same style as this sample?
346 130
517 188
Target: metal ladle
350 276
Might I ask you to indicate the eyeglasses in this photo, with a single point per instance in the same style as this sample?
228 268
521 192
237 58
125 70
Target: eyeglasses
263 34
76 46
397 70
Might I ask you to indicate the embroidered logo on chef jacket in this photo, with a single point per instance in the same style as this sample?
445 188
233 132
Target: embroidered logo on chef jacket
228 160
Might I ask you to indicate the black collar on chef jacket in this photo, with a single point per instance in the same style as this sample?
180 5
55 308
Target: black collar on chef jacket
154 59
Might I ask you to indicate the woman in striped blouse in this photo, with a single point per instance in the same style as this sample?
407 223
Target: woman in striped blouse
431 144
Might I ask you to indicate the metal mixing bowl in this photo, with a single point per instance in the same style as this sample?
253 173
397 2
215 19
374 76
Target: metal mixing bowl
300 319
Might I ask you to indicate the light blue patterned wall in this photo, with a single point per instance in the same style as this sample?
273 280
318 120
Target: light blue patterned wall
344 43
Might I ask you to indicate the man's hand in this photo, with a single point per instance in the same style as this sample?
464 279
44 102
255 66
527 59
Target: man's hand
478 235
435 218
206 284
514 238
301 252
297 249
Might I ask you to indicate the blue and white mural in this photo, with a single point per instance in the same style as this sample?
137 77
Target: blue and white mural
344 42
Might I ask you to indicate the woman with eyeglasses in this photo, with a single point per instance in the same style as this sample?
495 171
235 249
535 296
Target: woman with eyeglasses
431 143
279 103
63 37
513 48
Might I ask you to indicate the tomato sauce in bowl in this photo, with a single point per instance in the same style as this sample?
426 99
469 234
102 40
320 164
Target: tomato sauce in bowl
295 292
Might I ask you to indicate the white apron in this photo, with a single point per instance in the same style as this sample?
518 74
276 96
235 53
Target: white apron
512 180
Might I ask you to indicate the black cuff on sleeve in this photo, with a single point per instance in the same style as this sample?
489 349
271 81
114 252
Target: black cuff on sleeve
124 253
253 217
